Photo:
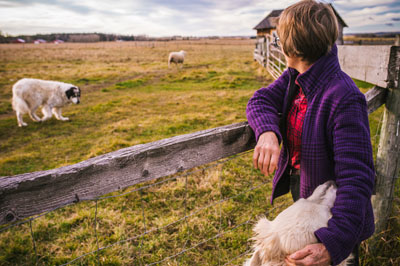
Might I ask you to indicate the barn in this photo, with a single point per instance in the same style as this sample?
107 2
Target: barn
38 41
19 40
268 25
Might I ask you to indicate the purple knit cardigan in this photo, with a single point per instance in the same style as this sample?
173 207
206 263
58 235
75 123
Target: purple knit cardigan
335 145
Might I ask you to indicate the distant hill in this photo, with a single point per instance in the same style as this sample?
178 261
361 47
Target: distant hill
68 37
101 37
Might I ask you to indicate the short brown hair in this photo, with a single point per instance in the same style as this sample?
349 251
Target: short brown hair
307 29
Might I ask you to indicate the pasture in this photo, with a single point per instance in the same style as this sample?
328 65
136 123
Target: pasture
130 97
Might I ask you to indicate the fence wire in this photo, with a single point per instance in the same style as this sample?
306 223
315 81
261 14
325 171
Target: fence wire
185 219
197 211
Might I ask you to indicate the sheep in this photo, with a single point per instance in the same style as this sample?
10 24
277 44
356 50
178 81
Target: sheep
176 57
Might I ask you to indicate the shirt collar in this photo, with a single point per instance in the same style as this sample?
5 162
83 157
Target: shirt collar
319 73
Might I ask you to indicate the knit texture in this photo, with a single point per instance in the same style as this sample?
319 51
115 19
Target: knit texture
335 145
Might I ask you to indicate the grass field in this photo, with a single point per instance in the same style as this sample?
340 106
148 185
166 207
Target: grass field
358 40
129 97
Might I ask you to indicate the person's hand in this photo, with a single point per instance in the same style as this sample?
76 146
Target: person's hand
310 255
266 153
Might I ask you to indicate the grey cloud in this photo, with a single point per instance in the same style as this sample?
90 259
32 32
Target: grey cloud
64 5
182 4
201 7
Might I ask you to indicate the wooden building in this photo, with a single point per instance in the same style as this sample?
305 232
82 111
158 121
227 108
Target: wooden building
269 23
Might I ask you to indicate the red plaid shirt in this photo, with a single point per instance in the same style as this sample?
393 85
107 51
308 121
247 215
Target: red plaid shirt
295 121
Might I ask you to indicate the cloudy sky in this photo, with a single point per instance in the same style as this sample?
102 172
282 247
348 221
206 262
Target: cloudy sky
176 17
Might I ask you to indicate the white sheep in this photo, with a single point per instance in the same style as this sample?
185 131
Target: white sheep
176 57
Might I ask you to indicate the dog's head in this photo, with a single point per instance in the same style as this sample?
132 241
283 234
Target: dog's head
324 194
73 94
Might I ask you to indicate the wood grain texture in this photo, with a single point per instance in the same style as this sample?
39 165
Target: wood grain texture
366 63
375 98
387 159
28 194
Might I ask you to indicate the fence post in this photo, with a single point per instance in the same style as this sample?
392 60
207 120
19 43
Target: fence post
387 159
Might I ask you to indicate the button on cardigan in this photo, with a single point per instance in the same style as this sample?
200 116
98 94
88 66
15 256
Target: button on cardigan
335 145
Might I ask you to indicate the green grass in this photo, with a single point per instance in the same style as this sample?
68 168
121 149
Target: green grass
130 97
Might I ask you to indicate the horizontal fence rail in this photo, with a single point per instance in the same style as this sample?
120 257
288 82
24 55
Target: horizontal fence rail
28 194
374 64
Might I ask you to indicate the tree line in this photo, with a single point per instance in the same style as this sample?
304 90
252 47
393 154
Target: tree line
82 37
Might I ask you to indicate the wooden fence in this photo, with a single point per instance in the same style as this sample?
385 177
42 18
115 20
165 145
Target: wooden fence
28 194
269 56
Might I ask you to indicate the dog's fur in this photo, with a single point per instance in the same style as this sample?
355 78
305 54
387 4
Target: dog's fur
293 228
30 94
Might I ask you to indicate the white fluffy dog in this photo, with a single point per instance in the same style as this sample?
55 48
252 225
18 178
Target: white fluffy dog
30 94
293 228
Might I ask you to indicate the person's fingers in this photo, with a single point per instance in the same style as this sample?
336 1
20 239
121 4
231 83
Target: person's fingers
300 254
274 161
260 162
266 163
266 153
256 154
289 262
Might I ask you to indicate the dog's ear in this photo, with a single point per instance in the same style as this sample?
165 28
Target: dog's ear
324 191
70 92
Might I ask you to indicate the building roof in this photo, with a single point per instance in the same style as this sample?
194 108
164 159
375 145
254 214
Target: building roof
270 21
340 20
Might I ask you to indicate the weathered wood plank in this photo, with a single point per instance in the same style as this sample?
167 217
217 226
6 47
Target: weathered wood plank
260 59
394 65
366 63
375 98
261 40
28 194
387 159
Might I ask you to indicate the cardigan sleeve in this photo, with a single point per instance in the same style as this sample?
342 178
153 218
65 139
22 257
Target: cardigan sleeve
354 173
264 107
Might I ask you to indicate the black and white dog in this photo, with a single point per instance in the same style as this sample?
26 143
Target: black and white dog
30 94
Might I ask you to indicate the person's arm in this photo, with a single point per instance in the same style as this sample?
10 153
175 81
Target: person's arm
263 115
354 172
264 107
